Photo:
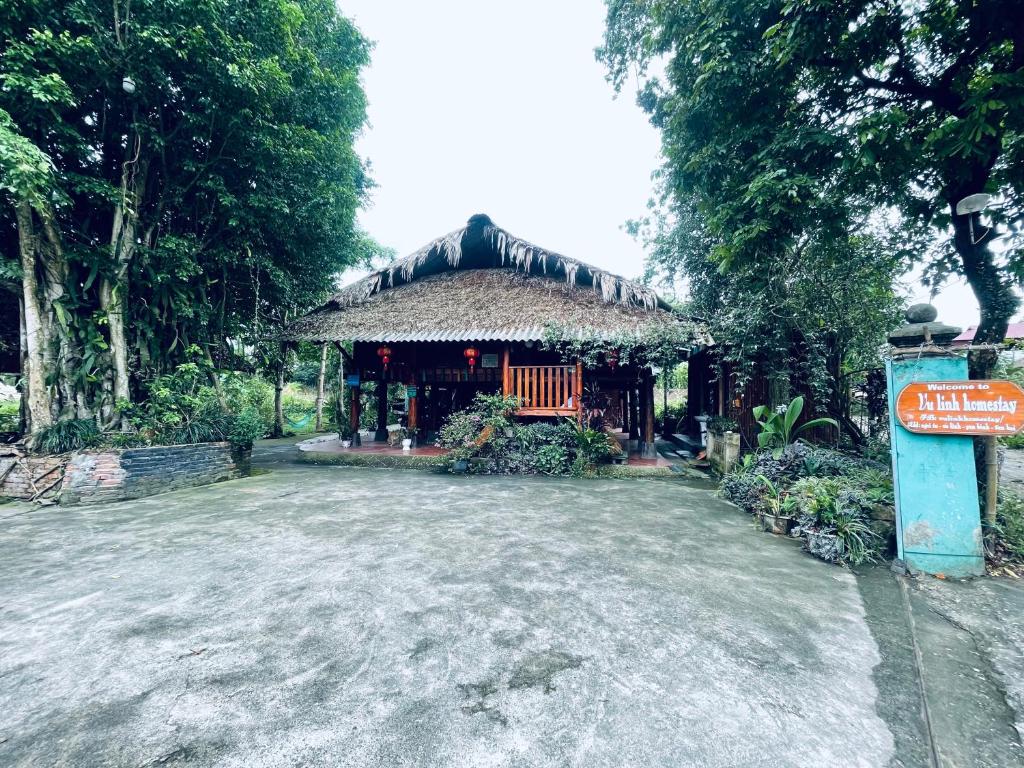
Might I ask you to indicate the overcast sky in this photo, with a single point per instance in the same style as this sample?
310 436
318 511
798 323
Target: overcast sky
499 107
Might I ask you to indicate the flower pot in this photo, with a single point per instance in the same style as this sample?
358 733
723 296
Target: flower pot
777 524
407 444
346 443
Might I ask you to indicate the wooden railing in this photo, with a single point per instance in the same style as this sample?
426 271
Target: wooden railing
544 390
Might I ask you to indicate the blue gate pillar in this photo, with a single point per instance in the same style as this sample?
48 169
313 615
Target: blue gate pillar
938 518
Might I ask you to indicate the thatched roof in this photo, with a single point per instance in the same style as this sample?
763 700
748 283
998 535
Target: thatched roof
481 283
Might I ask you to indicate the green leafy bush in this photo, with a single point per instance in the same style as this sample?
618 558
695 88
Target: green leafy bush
67 435
488 434
719 425
244 428
833 493
780 429
182 408
1009 530
835 519
9 415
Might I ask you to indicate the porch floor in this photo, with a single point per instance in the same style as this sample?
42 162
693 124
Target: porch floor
331 444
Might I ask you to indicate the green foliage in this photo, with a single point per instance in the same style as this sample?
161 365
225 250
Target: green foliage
659 346
67 435
181 407
9 415
797 131
780 429
1010 526
238 141
832 494
249 392
244 428
835 514
488 435
593 447
719 425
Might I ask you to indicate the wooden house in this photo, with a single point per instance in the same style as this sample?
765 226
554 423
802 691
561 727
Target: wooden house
476 310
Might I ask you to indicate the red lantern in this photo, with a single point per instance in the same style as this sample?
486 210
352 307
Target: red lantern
613 359
384 353
471 354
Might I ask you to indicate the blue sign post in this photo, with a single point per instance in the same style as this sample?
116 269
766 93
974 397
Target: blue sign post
938 520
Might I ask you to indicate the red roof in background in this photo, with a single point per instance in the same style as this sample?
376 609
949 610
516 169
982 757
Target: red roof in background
1013 331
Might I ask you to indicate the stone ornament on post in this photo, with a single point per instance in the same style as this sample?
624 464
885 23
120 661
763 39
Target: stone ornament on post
938 523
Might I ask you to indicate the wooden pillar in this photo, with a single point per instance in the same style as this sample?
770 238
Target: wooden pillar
339 406
382 409
624 410
578 394
648 450
320 388
634 415
354 396
506 380
413 415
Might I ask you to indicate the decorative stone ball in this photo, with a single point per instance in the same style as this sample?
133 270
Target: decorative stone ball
921 313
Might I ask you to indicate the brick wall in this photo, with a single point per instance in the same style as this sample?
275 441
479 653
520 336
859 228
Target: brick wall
25 477
132 473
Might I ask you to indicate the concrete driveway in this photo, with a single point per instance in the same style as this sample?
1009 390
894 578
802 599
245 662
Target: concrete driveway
328 616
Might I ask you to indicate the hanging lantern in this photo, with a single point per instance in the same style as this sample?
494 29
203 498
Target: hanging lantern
471 354
613 359
384 353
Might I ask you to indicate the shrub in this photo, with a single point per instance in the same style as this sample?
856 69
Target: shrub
487 433
1009 531
243 391
719 425
67 435
10 415
182 408
835 519
244 428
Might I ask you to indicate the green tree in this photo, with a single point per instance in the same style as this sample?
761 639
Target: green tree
802 117
181 173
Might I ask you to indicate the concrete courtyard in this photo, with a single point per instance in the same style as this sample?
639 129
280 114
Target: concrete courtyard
331 616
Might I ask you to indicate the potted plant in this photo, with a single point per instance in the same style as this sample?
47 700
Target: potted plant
345 435
406 439
778 512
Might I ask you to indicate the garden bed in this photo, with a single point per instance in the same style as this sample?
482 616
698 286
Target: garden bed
841 506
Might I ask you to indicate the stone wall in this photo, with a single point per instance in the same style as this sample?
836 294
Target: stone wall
132 473
26 477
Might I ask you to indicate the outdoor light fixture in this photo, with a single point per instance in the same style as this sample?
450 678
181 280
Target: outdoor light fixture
471 354
128 85
613 359
384 353
970 205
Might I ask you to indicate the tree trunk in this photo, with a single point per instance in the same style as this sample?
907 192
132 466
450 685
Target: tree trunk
114 289
215 378
37 331
278 399
320 385
994 293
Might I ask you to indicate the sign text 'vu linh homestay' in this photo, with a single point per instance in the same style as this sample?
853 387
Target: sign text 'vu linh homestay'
982 407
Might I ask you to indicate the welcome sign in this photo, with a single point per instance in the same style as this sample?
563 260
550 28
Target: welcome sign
983 407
